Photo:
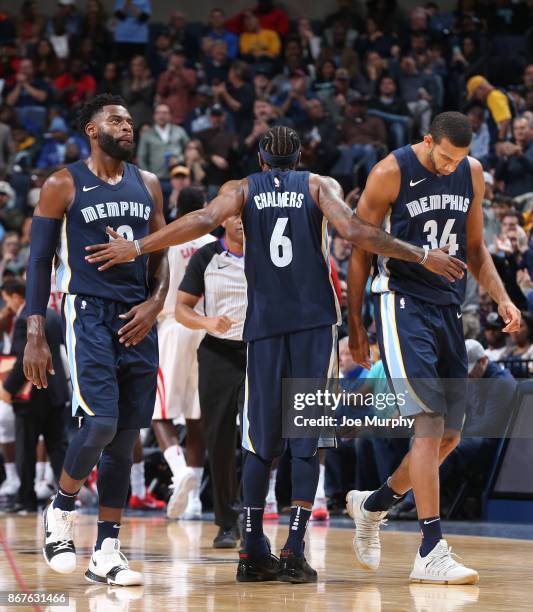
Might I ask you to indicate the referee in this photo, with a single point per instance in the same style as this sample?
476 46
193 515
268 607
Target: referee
216 271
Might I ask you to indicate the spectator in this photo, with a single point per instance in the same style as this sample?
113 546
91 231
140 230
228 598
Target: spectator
75 86
270 18
45 61
374 40
92 57
13 260
480 146
293 103
527 81
198 118
337 99
175 87
257 44
220 146
110 82
180 177
237 97
520 348
160 142
159 53
45 411
28 91
320 139
341 252
138 91
7 202
264 86
387 105
55 151
362 133
131 29
195 161
495 337
182 38
218 32
25 147
514 170
7 150
59 38
94 24
217 63
324 83
418 90
310 43
30 25
68 12
375 67
497 103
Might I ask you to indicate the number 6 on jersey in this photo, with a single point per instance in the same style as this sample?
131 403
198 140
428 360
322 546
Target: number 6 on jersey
280 245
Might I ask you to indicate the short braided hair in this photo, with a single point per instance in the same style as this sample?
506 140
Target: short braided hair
280 140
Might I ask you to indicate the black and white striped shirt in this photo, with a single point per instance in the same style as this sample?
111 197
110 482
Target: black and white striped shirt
218 275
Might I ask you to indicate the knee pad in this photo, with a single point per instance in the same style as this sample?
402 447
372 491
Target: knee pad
87 445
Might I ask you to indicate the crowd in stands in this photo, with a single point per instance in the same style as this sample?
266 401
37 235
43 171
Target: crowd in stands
365 79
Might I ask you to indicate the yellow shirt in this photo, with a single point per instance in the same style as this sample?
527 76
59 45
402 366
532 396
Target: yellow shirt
499 106
264 42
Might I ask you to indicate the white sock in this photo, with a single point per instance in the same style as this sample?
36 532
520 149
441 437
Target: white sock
199 473
320 493
49 473
11 471
271 495
138 485
40 467
175 459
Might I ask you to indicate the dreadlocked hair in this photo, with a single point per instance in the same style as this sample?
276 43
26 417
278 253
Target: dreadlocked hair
281 140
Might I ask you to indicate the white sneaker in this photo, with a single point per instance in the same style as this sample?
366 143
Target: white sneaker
193 511
109 566
9 487
59 550
43 490
182 485
366 540
440 567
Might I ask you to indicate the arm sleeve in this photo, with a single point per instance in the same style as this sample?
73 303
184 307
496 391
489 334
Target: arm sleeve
193 281
44 239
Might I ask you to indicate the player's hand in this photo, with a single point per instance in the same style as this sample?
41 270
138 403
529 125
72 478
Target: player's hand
511 316
37 362
117 251
141 319
219 325
441 263
359 347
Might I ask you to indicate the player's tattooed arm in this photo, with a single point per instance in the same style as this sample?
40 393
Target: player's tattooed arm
229 202
479 259
141 318
371 238
56 196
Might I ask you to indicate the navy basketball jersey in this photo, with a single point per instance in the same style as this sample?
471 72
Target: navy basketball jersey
286 254
431 212
126 207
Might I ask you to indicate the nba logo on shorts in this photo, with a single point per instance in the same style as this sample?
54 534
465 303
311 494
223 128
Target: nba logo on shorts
402 303
276 182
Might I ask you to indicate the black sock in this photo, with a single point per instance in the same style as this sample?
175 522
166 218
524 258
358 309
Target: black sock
254 538
431 534
382 499
297 526
65 501
106 529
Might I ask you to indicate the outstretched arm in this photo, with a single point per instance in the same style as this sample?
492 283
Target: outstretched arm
479 259
229 202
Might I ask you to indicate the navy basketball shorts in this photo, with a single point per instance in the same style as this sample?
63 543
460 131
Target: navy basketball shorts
108 379
311 353
421 345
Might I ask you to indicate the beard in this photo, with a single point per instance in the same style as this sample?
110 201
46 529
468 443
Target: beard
113 148
432 160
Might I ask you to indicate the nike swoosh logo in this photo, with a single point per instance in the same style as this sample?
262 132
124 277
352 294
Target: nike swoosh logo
89 188
222 267
459 315
433 521
413 184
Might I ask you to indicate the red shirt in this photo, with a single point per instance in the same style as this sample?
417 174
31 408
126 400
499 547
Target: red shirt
85 85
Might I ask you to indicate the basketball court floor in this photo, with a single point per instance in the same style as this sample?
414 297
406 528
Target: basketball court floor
183 571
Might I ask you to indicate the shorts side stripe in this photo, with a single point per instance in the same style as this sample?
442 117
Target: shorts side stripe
246 439
70 319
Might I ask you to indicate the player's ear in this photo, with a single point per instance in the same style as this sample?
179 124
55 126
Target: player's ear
90 129
428 140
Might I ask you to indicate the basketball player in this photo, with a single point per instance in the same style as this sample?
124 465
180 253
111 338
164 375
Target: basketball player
109 319
177 394
428 194
290 322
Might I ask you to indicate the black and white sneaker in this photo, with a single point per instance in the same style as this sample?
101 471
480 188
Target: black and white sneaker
59 550
109 566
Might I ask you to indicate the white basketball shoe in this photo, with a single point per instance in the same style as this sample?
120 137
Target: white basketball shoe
366 540
441 567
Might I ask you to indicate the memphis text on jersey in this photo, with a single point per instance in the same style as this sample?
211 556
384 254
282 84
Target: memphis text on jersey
443 201
116 209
